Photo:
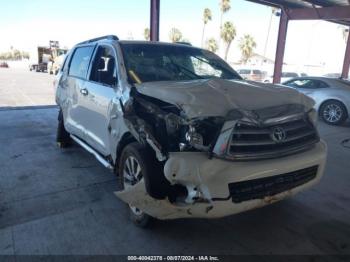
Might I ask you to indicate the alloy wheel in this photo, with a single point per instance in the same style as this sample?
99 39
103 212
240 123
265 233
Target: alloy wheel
332 113
132 174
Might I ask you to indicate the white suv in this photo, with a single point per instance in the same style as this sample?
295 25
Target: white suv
187 136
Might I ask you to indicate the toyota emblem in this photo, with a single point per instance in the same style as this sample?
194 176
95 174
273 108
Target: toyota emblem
278 134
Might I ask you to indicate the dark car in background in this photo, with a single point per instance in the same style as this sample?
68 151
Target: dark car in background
4 65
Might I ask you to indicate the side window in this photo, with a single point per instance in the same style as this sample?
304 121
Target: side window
299 83
80 61
322 84
307 83
104 67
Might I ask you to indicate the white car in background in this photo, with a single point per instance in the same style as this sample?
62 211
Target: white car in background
332 96
285 77
252 74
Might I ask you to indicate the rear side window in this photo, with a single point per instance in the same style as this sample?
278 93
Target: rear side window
256 72
80 61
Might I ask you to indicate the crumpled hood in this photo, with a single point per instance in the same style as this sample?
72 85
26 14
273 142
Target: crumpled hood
216 97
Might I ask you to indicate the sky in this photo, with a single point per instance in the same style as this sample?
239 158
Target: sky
26 24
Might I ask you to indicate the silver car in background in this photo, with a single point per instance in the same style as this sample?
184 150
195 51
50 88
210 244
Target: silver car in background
332 96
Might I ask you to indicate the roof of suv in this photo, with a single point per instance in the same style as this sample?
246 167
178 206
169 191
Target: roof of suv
140 42
113 38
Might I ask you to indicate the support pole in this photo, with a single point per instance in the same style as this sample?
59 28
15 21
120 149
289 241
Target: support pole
281 44
346 65
154 21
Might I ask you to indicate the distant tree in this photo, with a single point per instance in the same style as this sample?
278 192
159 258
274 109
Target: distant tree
247 45
175 35
147 34
185 40
228 34
25 55
225 6
14 54
212 45
17 55
8 56
207 16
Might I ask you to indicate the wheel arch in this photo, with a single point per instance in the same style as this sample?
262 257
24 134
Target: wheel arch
126 139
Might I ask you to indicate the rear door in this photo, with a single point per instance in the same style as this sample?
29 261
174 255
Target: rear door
74 85
101 90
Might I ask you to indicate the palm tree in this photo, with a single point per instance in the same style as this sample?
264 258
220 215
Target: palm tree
175 35
147 34
224 7
228 34
207 16
247 45
212 45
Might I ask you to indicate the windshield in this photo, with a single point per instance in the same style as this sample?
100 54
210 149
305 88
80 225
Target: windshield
153 62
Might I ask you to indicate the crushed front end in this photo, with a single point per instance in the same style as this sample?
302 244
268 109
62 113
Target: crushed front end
219 166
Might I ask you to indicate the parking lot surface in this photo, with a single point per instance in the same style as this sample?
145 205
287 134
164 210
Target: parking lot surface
20 87
55 201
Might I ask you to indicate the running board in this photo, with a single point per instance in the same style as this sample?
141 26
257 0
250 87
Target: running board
103 161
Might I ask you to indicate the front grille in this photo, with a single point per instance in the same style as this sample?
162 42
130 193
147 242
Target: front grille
251 141
269 186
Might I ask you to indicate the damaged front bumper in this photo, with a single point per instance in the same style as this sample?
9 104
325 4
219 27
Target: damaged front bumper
211 183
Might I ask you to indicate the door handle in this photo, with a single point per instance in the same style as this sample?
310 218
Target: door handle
84 91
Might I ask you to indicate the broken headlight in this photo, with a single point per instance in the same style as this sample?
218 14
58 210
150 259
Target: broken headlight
193 138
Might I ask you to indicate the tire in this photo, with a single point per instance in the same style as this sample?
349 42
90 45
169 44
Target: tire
333 112
137 156
63 137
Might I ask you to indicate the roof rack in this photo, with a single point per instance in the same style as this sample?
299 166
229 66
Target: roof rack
108 37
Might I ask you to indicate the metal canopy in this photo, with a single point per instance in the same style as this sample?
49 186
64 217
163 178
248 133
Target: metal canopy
337 11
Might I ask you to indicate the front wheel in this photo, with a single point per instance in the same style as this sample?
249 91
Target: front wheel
133 165
333 112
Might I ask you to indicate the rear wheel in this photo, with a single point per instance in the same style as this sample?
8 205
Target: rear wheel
63 137
333 112
133 165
